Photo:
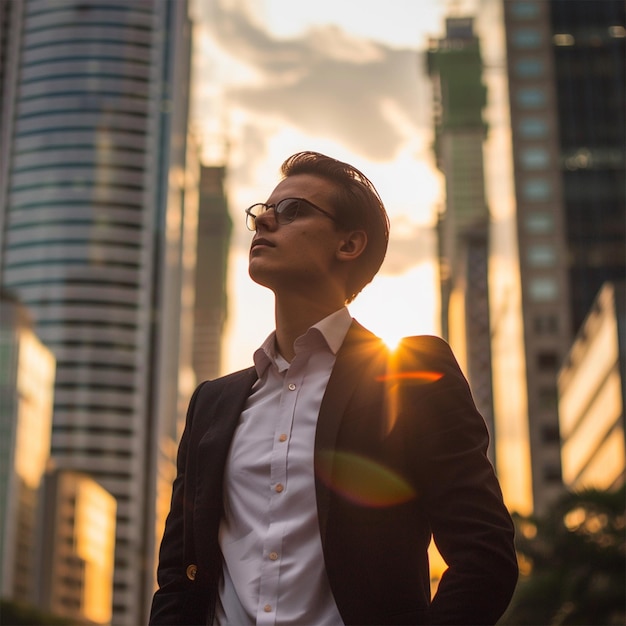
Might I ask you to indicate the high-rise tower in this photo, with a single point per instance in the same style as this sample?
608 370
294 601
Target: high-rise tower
455 65
26 389
92 212
589 47
566 84
214 230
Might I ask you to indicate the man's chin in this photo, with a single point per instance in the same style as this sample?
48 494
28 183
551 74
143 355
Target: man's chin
259 277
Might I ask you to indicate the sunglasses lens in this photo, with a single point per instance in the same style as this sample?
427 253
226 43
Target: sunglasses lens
287 210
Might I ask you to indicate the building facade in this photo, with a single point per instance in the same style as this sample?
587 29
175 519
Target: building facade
564 60
589 48
77 548
455 66
214 231
93 220
27 370
540 232
592 397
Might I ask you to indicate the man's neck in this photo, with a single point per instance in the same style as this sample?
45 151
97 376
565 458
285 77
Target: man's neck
295 316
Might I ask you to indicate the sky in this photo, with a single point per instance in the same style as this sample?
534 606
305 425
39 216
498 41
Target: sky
273 77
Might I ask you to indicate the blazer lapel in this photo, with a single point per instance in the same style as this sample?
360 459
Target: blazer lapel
219 412
358 358
223 413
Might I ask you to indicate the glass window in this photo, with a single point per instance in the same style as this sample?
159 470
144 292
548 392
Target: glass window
545 324
541 255
547 360
550 433
534 158
543 289
524 10
538 223
537 189
552 472
529 68
530 98
526 38
532 128
548 400
563 39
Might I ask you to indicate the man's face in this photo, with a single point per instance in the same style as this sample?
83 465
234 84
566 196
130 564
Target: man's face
299 257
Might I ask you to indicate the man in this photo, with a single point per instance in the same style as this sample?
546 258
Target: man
309 485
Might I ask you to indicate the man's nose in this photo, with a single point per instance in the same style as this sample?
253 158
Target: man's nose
267 220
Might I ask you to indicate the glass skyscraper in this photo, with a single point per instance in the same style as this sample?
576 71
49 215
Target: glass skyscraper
589 43
565 63
92 214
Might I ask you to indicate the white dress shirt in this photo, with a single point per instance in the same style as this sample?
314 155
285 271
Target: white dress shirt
273 566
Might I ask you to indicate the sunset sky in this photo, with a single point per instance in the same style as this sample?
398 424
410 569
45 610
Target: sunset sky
273 77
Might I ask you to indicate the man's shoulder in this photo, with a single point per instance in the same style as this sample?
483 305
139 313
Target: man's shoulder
425 343
230 389
427 353
414 343
234 377
243 377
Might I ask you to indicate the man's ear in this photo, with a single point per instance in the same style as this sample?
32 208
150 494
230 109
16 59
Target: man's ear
352 245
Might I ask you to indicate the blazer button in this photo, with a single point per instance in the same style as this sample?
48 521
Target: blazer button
192 570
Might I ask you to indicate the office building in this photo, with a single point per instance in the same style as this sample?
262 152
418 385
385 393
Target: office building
455 67
592 397
77 548
27 371
565 61
94 214
214 231
589 47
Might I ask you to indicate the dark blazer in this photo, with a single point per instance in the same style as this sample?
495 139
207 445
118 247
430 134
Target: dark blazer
409 426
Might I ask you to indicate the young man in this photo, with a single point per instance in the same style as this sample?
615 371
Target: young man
309 485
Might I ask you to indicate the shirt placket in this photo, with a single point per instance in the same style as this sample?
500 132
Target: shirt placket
279 492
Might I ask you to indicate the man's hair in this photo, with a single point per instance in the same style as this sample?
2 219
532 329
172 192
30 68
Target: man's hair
357 207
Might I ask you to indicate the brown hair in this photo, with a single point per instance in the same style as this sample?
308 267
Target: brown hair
357 206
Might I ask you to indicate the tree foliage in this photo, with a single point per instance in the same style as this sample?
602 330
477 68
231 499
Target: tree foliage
572 563
18 614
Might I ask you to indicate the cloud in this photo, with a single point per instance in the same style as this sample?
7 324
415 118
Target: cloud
407 249
364 94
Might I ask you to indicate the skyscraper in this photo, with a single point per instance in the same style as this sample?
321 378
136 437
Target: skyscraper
566 67
75 556
92 210
26 389
214 229
455 66
589 47
592 396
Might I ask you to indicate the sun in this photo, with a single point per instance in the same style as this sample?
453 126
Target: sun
392 337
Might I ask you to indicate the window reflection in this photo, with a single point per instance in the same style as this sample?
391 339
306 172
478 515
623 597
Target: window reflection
543 289
532 128
531 98
539 223
527 38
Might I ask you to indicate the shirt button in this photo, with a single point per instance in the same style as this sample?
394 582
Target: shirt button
279 487
267 608
273 556
283 437
291 386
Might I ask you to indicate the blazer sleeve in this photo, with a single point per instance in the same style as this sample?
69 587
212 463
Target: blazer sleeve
471 526
189 561
173 599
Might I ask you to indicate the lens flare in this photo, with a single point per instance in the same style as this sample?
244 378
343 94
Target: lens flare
416 377
362 481
393 380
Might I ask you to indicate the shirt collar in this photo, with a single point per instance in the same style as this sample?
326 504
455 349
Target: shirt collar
333 328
